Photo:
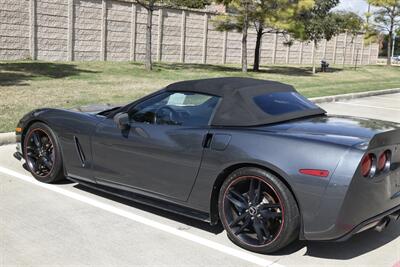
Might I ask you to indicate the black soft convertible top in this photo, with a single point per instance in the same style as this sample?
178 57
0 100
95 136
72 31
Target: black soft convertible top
237 107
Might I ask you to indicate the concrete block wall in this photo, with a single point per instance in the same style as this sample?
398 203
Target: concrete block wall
194 37
171 38
115 30
14 29
233 48
87 30
141 19
119 18
267 48
51 29
215 44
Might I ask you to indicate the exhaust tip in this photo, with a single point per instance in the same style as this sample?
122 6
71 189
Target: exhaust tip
382 224
17 155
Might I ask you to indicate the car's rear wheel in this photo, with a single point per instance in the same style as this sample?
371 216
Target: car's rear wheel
258 211
42 154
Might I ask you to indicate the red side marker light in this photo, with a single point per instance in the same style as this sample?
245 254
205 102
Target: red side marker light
312 172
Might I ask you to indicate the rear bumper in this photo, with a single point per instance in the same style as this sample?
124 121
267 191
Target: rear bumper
378 223
364 204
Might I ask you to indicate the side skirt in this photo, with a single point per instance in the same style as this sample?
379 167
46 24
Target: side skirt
159 204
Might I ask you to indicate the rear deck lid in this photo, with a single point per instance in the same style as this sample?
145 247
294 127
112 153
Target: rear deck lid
342 129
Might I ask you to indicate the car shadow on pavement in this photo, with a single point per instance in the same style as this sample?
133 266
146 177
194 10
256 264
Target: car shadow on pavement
356 246
189 222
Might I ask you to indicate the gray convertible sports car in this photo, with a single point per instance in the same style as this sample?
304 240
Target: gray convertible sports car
255 155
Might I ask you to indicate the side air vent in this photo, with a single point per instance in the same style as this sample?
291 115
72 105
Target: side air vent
79 150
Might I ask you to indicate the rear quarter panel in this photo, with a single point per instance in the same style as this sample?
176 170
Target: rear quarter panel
285 155
350 204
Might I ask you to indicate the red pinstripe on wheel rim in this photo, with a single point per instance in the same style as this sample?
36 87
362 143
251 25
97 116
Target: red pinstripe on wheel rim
39 152
254 218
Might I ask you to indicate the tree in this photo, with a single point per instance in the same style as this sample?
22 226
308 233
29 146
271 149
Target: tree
266 16
275 16
239 20
350 23
150 6
386 17
317 23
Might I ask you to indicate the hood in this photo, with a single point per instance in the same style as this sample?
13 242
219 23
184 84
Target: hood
94 109
339 129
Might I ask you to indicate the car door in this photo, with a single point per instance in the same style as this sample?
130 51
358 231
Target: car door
161 150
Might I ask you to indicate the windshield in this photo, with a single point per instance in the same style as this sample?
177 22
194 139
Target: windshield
108 111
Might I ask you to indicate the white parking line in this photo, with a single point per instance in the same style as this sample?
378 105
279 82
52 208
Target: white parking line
384 97
367 106
134 217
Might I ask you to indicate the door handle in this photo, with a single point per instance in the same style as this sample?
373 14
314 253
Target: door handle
207 140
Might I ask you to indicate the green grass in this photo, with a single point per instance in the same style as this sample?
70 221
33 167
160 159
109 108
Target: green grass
26 85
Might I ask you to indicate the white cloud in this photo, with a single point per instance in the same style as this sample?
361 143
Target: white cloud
358 6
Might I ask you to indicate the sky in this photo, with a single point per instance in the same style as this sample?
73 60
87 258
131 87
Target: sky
358 6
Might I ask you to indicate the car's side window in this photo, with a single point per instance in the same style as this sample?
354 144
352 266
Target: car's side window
175 108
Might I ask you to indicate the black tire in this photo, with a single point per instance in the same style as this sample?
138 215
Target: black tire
38 163
276 217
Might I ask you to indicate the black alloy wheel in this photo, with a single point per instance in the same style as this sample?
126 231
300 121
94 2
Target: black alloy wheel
42 154
253 208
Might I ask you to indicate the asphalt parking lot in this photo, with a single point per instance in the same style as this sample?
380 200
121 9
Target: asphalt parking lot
68 224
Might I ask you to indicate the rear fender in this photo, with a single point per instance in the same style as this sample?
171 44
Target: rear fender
283 155
351 198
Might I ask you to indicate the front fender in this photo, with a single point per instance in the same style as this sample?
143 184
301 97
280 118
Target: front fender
25 122
69 127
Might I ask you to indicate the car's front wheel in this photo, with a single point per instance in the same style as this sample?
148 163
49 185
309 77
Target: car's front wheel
42 154
258 211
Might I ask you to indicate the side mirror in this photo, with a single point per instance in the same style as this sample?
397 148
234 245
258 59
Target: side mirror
122 120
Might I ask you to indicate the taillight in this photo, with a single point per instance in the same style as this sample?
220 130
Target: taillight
367 165
384 161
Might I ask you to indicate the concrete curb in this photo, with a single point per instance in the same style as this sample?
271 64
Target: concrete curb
335 98
9 138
